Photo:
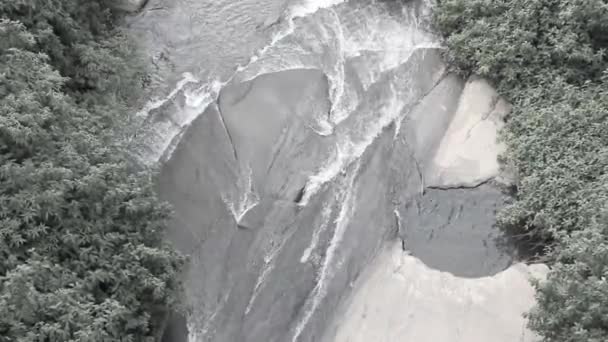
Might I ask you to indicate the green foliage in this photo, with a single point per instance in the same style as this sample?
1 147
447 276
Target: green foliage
517 43
548 57
556 136
82 256
82 42
572 302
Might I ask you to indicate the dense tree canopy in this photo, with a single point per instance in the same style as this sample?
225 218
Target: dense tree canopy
548 57
81 250
519 43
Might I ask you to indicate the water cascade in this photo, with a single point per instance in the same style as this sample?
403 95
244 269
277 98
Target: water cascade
298 141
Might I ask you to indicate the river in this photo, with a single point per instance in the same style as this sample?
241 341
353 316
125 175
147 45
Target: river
298 140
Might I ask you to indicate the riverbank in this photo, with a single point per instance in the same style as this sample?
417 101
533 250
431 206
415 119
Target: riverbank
82 249
291 168
399 298
548 59
454 276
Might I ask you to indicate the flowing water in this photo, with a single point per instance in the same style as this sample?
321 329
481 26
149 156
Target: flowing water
292 137
201 45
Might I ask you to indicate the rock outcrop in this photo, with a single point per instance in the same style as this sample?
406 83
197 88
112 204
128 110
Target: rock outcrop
401 299
467 153
450 224
279 221
450 279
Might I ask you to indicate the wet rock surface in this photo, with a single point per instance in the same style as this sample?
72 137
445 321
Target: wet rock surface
268 120
290 174
467 153
454 231
264 268
200 37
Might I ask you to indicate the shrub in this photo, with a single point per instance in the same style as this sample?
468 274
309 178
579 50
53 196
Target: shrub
518 43
572 303
548 58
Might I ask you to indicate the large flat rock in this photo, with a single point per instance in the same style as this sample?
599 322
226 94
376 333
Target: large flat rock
399 298
271 121
221 169
467 154
454 231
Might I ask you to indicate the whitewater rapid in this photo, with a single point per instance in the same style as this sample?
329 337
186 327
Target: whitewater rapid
312 34
323 35
200 93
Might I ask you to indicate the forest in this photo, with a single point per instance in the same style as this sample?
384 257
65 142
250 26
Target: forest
548 58
82 256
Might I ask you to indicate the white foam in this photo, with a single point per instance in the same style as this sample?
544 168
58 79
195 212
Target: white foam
268 266
157 103
347 199
209 91
196 331
308 7
314 241
327 47
300 10
374 30
390 41
398 218
246 198
163 136
323 126
351 146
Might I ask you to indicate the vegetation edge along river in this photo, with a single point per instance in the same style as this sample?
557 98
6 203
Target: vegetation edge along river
548 58
82 255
